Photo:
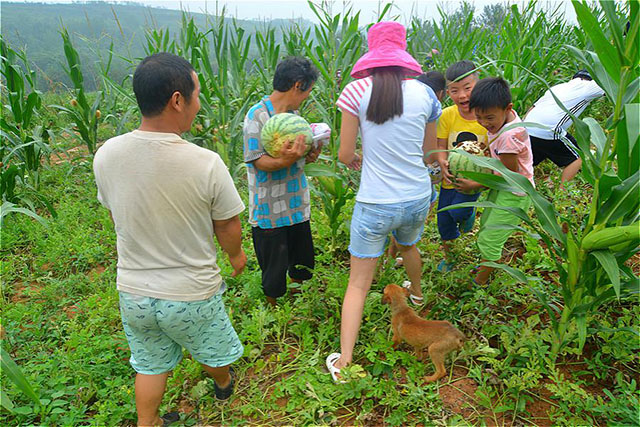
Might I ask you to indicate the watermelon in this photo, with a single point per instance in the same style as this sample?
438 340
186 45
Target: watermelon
284 128
459 162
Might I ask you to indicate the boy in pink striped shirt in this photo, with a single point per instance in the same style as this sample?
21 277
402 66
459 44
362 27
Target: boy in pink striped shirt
492 106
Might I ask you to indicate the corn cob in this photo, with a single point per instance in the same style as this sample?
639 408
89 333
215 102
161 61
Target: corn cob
611 236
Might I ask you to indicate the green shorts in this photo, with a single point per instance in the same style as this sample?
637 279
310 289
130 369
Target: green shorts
492 240
157 330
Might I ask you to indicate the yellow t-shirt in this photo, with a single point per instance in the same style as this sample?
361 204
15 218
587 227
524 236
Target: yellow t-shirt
456 129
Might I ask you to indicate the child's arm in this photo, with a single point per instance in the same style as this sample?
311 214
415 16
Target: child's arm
464 185
443 144
510 160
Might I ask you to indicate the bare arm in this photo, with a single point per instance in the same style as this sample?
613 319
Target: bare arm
348 135
442 158
289 154
430 142
510 160
229 234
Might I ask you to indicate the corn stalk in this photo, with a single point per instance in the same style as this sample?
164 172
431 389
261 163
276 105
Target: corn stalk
84 115
590 256
25 146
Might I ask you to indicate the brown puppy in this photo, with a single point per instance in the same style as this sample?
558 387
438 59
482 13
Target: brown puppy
438 336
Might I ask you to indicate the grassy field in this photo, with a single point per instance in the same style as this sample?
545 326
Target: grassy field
61 322
556 344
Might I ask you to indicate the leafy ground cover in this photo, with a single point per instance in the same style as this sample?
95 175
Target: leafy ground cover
60 319
61 324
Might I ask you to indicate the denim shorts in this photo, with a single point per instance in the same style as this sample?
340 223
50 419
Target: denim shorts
372 223
157 330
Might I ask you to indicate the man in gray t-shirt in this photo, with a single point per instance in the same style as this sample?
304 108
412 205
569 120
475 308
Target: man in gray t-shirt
279 200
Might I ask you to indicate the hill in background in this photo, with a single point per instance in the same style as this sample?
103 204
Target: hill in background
93 26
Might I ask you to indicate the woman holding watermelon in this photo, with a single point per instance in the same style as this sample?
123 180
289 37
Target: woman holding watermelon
396 118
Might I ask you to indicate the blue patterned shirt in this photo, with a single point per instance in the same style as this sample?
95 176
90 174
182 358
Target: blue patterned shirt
279 198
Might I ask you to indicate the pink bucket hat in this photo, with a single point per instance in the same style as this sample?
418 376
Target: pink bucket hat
387 48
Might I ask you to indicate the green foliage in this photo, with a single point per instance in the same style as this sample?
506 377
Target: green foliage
25 145
16 376
85 117
60 306
590 255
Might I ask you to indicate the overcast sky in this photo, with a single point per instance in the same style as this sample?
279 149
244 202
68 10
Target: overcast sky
272 9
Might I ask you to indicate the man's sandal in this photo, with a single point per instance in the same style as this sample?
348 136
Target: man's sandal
415 300
335 372
225 393
170 418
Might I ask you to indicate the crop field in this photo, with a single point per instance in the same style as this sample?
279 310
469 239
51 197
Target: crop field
552 339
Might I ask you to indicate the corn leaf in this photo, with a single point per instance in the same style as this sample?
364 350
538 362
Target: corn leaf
16 376
606 52
623 199
608 261
545 212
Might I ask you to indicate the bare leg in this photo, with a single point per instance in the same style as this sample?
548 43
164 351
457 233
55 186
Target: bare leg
482 276
149 392
446 248
392 251
360 277
570 171
295 291
271 301
413 265
220 375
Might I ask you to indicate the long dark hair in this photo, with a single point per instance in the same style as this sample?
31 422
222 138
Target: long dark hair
386 94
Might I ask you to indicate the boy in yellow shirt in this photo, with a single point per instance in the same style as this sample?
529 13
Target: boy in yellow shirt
456 124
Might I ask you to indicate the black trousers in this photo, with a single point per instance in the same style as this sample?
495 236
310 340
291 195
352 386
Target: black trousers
283 250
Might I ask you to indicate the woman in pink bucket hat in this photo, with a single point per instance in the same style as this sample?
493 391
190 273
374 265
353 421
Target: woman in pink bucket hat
396 118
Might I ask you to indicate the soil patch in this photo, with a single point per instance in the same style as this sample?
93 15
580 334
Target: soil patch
458 396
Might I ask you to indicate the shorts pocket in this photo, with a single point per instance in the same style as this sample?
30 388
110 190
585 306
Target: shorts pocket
372 221
420 212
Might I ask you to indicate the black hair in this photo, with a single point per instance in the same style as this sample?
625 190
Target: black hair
293 70
583 74
490 92
157 78
459 69
386 94
434 79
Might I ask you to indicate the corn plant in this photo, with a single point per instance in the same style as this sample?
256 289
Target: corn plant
528 41
590 255
16 376
85 116
25 146
337 46
268 55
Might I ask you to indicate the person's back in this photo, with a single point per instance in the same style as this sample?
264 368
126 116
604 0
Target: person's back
553 142
397 121
393 169
575 95
168 198
159 189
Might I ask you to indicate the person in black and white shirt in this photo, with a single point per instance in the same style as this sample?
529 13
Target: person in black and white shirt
575 95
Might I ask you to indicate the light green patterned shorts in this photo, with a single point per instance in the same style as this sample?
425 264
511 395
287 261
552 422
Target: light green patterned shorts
157 330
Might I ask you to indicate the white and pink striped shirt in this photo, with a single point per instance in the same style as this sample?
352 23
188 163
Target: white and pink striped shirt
392 168
352 94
